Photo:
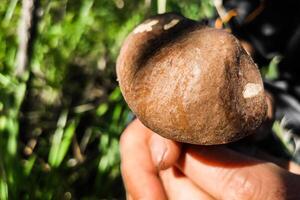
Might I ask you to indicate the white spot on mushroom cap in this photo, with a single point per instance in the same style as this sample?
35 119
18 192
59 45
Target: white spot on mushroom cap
171 24
192 82
252 90
145 27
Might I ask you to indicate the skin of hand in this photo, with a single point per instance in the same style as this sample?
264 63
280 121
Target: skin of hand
157 168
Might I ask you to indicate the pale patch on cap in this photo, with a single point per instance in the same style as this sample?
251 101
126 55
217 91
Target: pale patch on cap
171 24
145 27
252 90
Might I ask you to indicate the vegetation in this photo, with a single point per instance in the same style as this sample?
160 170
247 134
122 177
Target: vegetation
61 117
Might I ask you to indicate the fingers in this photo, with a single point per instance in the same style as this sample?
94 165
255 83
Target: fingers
164 152
226 174
138 172
220 172
143 153
178 187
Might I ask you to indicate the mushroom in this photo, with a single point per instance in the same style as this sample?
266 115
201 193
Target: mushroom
189 82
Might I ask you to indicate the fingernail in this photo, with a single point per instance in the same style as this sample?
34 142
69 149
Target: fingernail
158 149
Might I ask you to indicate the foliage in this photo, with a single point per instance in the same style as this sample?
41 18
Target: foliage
61 120
271 72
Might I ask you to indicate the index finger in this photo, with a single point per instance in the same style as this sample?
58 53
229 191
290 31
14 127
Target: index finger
139 174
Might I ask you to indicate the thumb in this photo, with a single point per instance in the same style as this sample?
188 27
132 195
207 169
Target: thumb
164 152
226 174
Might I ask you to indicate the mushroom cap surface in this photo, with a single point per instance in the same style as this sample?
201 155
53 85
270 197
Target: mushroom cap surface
190 83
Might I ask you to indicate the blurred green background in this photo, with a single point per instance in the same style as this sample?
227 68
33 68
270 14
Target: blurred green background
62 114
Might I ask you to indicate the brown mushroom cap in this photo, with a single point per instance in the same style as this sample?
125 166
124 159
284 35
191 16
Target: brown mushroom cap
189 82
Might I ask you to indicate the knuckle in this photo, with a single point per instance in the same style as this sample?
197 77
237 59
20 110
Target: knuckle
127 136
242 186
124 146
248 184
123 170
123 139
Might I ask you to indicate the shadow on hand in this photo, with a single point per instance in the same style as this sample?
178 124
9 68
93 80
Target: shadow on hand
222 156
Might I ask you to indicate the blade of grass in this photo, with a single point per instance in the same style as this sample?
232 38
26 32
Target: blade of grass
115 95
279 131
66 141
10 11
273 72
161 6
29 165
102 109
57 138
3 189
3 181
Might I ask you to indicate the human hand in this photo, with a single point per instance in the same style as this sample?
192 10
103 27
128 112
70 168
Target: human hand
157 168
